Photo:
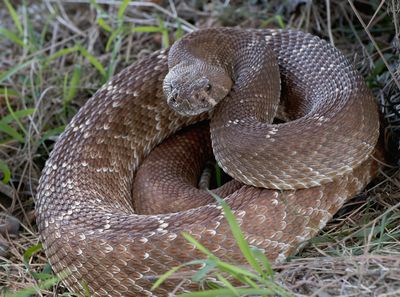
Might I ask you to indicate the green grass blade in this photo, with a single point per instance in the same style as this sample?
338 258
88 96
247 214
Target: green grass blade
236 271
179 32
112 37
52 132
11 36
84 53
5 171
102 23
6 74
28 292
9 92
32 250
165 39
63 52
146 29
198 245
165 276
122 9
14 16
238 235
70 91
114 55
12 113
12 132
173 270
227 284
165 33
227 292
201 273
280 21
17 114
247 277
277 18
42 276
47 268
93 61
261 257
250 282
218 175
94 4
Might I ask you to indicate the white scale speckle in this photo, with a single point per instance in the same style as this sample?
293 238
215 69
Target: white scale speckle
260 218
143 240
211 232
240 213
164 225
108 248
273 131
116 104
211 101
171 236
115 269
162 231
281 258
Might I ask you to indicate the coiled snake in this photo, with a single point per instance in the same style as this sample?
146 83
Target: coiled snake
310 166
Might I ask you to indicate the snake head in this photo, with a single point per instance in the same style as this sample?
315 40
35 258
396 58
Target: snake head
194 89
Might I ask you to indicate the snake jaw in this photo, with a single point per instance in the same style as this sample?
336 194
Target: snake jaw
196 102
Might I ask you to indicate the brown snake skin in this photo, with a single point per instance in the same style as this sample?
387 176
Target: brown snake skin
92 235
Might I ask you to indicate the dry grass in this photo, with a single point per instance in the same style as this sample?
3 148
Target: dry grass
55 54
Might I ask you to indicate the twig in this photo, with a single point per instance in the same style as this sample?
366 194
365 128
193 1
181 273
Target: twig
375 13
328 20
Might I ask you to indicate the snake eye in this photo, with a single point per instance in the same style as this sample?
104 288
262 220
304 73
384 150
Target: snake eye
208 87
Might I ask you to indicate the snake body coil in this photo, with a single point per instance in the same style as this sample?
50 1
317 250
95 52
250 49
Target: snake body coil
311 165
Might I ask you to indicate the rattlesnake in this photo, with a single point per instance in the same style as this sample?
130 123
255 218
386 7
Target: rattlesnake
91 234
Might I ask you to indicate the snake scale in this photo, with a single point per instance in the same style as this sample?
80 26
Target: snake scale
292 176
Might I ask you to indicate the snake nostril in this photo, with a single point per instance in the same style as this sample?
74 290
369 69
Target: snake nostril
173 98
